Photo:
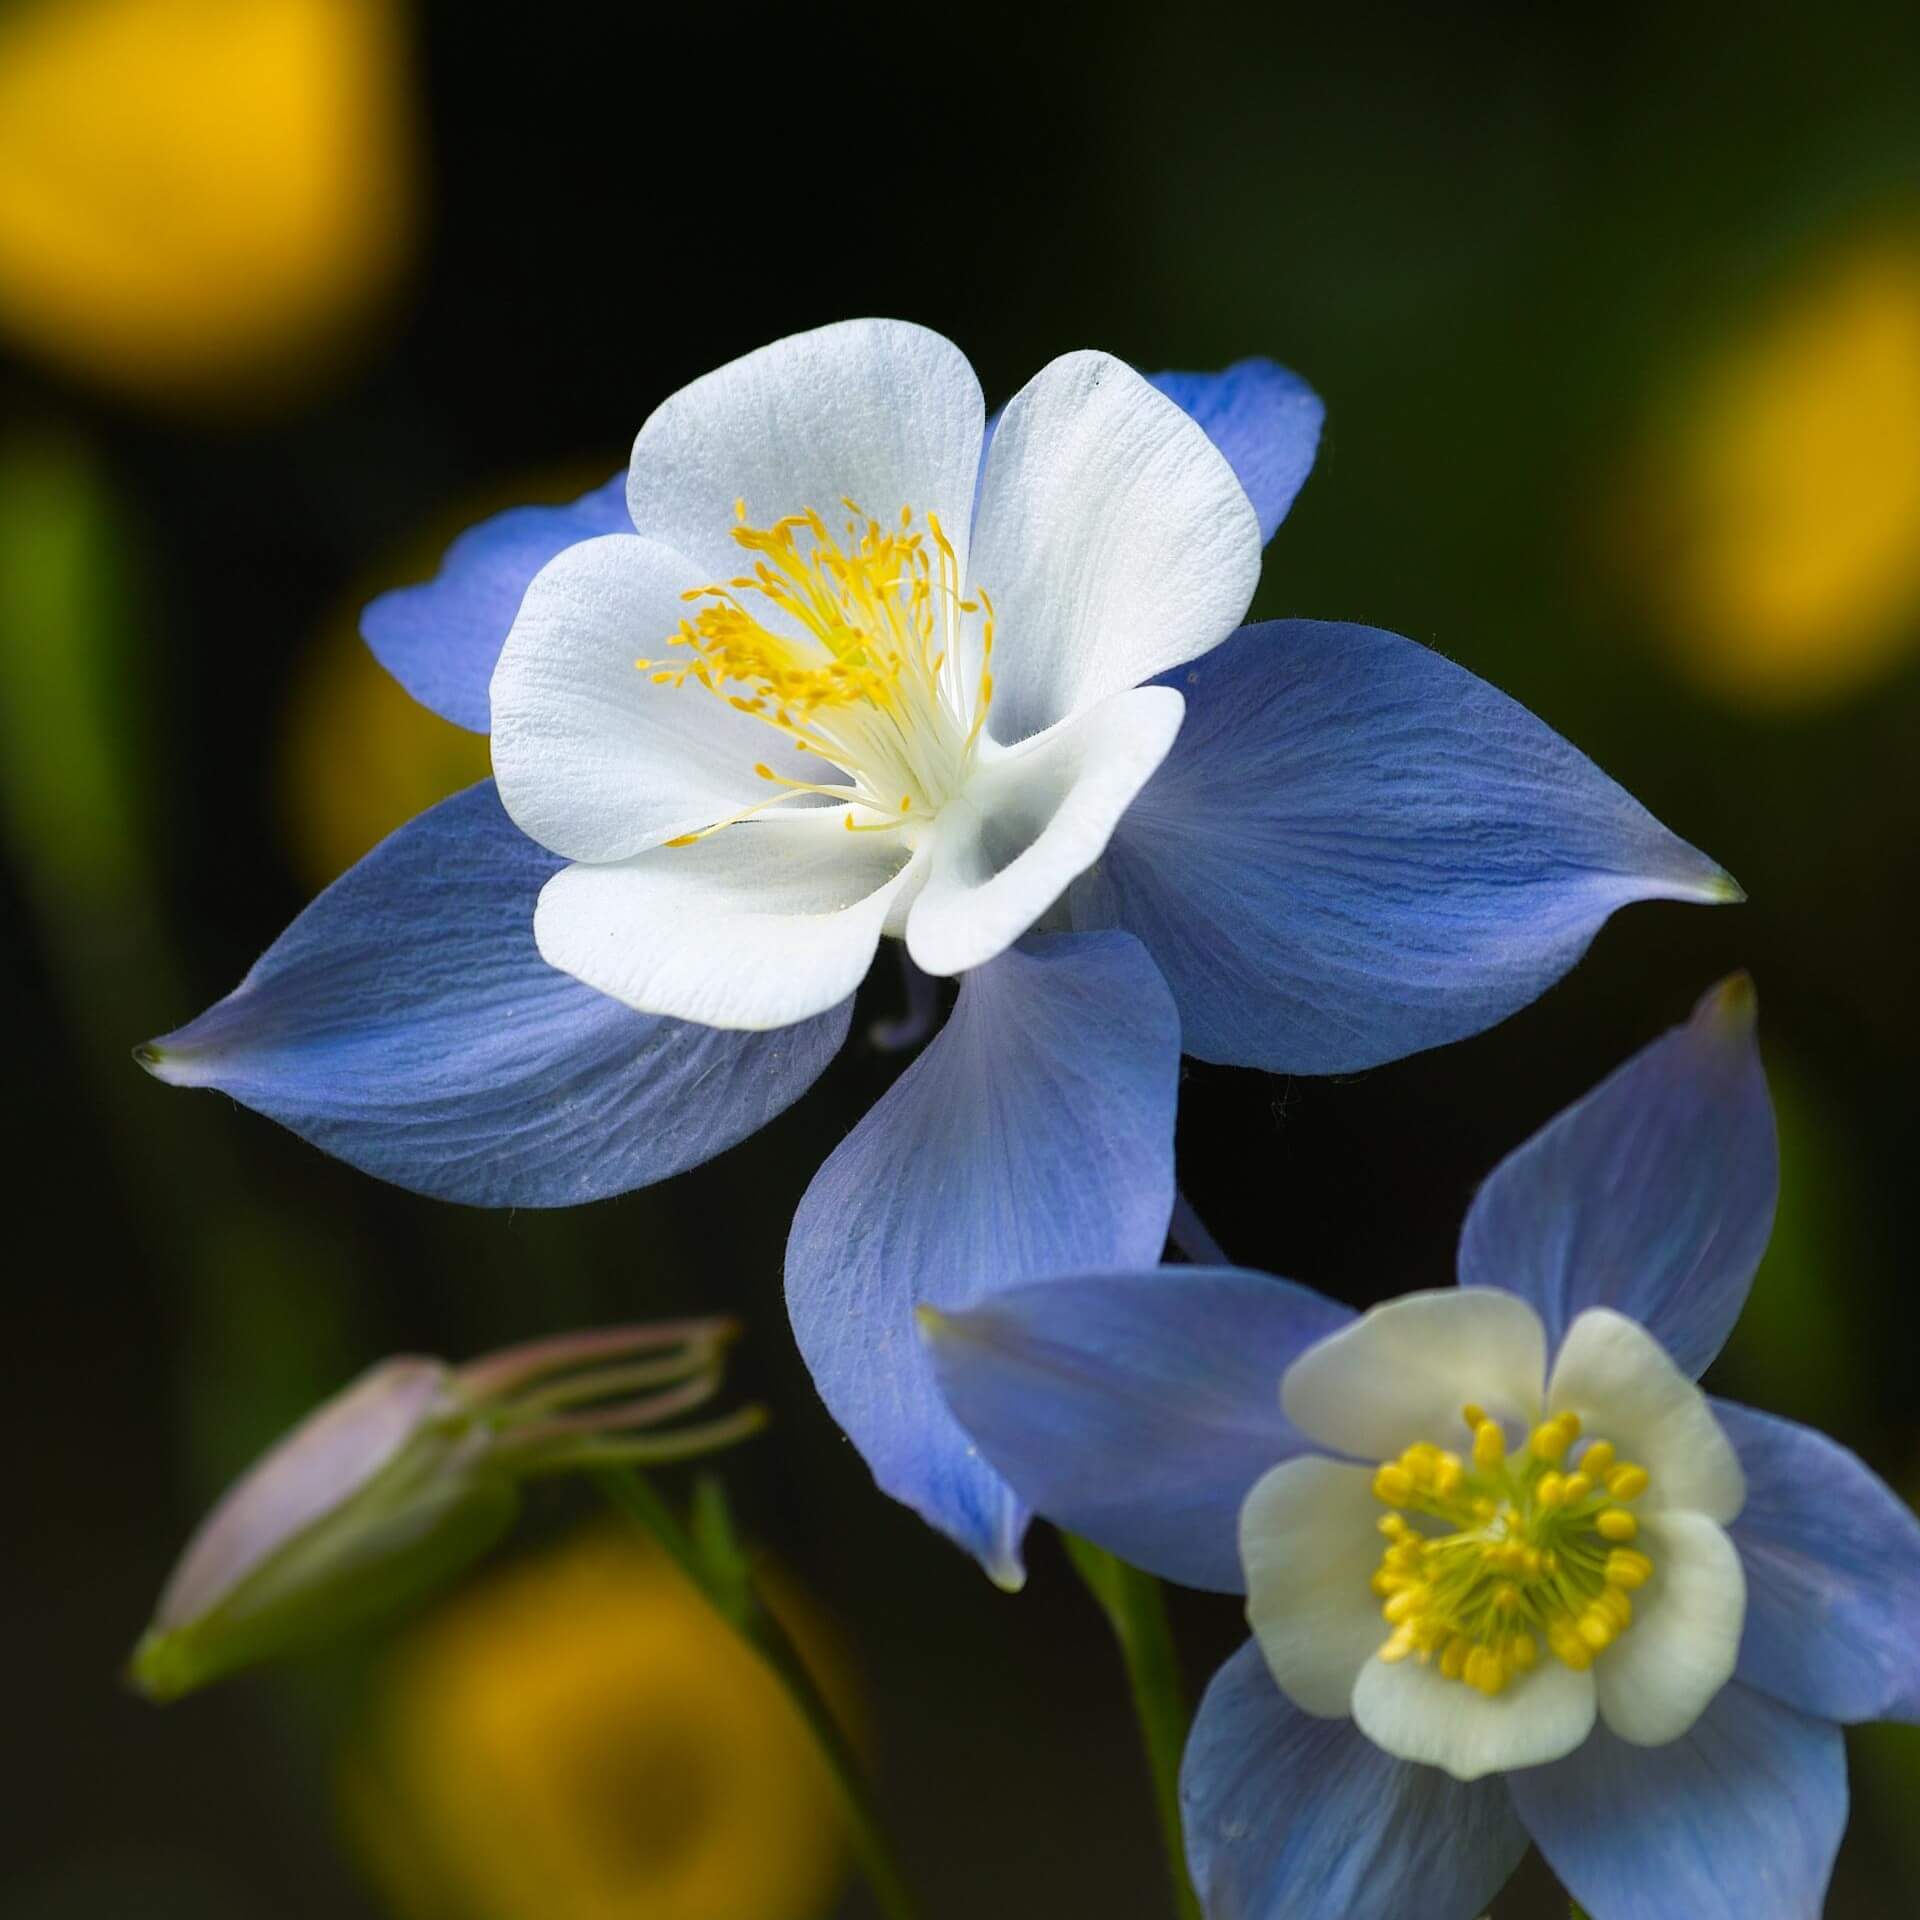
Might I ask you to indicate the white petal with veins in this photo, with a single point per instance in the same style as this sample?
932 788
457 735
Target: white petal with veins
1309 1546
1113 537
1626 1388
593 760
758 926
1660 1676
1413 1711
1031 821
878 411
1402 1373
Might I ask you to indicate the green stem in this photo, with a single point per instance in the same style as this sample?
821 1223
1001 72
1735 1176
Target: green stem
710 1556
1137 1613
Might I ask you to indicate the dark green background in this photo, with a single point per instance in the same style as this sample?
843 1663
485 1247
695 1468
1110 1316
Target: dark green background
1492 238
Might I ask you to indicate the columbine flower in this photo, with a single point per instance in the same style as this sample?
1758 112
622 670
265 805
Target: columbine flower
1509 1571
859 674
410 1474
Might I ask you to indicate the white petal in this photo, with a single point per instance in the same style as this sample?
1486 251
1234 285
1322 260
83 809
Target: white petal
1658 1678
1309 1543
1625 1387
1403 1372
593 759
759 925
1413 1711
1112 536
1031 821
877 411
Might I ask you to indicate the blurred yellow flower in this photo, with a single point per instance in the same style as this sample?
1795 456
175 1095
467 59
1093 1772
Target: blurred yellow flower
1783 511
581 1738
362 756
196 194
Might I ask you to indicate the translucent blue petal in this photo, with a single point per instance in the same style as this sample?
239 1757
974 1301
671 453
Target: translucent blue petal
1033 1137
1739 1818
440 640
1136 1408
1653 1195
1293 1818
1833 1575
1356 850
1264 419
406 1023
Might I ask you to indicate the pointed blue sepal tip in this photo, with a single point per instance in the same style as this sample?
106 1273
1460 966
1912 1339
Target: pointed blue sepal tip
1733 1005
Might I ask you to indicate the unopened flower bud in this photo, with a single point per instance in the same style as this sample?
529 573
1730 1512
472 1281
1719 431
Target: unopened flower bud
395 1485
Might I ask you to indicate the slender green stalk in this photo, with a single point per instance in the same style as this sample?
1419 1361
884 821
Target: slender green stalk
708 1552
1137 1613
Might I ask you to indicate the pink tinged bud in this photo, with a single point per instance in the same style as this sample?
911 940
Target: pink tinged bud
401 1481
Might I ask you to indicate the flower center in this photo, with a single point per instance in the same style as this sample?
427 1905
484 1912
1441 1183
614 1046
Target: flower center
1490 1555
859 650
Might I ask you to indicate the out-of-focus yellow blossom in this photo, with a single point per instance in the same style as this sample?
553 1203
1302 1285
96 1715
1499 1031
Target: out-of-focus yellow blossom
196 195
1782 512
582 1738
362 756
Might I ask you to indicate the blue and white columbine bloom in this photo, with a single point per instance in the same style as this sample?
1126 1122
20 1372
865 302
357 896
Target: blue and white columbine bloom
1510 1572
827 667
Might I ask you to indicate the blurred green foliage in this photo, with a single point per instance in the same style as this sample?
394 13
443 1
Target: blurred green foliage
1512 246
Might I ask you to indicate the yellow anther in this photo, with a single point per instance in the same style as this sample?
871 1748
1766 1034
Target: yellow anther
1627 1567
1398 1646
1597 1459
1475 1416
1578 1486
1614 1601
1551 1490
1550 1441
1507 1598
1453 1661
1485 1670
1448 1472
1615 1523
1489 1445
1394 1485
1420 1460
1597 1630
1404 1605
1627 1482
1570 1646
1523 1652
1571 1421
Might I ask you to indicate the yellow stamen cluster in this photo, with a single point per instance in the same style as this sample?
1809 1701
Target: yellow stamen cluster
1494 1554
852 649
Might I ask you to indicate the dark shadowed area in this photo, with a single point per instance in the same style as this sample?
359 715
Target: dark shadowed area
1617 319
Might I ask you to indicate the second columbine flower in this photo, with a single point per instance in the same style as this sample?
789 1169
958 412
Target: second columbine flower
1510 1573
